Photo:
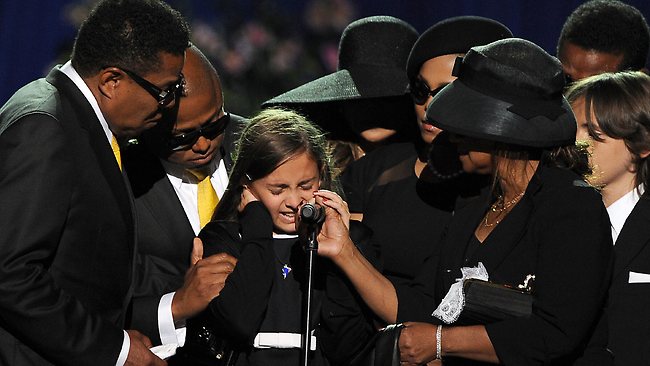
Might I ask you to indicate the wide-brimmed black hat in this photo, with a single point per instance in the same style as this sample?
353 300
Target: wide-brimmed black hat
372 60
451 36
508 91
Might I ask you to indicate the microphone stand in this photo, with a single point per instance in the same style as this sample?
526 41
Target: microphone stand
311 246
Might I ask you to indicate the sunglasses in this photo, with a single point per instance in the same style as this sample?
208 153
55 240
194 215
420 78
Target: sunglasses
164 97
209 130
420 91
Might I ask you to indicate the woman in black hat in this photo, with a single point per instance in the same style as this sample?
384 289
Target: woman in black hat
540 220
365 100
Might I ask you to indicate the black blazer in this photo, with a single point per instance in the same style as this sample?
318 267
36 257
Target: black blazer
66 231
628 310
343 324
164 233
559 232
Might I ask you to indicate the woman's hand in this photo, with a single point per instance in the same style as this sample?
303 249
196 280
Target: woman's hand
329 199
246 197
334 234
417 343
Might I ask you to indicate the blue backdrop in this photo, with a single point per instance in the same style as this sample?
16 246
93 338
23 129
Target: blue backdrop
35 34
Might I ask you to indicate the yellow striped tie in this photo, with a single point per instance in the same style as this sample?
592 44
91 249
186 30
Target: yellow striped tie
116 151
207 199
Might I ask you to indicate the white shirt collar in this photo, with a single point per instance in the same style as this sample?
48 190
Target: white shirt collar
179 175
284 236
621 209
81 84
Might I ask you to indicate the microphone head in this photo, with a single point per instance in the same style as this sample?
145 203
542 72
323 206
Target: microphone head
312 213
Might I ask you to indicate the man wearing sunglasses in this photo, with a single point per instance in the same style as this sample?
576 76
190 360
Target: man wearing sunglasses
195 138
67 238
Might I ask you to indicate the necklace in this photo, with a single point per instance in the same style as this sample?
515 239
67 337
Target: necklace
286 268
499 207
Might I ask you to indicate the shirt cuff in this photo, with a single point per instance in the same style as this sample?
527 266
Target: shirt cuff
124 353
166 326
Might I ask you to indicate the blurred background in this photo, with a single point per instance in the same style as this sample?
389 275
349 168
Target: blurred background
261 48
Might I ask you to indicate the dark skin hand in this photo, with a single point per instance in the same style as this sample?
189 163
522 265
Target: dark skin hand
204 281
139 353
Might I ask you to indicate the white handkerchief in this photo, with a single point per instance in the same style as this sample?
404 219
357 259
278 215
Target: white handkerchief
452 305
164 351
637 277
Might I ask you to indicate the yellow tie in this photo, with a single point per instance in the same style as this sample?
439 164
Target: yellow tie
116 151
207 199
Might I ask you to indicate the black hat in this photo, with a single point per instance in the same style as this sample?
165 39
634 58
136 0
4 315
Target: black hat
508 91
451 36
372 59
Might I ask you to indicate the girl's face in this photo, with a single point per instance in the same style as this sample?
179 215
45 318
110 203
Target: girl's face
435 73
610 160
286 188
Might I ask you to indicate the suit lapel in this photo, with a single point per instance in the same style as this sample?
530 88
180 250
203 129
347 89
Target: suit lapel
633 237
155 195
98 142
165 207
500 243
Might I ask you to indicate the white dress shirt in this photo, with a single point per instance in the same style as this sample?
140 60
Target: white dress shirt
621 209
186 189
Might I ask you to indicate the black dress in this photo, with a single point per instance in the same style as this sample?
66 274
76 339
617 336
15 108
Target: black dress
264 295
407 214
559 232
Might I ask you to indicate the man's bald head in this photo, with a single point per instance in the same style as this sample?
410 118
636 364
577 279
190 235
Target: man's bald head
200 105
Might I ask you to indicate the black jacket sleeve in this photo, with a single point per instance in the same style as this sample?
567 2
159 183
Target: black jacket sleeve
239 309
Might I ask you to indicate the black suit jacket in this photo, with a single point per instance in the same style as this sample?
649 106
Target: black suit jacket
66 231
628 310
164 233
559 232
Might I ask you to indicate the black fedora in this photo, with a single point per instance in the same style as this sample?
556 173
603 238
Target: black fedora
508 91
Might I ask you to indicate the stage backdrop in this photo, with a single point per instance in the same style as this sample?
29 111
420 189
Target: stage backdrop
260 47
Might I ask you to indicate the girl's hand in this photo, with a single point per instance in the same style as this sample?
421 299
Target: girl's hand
246 197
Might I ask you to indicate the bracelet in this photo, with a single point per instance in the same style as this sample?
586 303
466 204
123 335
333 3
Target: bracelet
438 342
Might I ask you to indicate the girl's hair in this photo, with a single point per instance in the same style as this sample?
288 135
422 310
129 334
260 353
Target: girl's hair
620 102
270 139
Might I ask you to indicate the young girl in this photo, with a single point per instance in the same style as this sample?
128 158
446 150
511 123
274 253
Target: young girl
281 163
613 114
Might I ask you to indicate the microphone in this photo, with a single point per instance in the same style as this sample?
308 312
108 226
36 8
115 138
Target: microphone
311 218
312 214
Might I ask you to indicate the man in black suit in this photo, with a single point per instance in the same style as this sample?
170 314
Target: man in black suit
67 233
196 138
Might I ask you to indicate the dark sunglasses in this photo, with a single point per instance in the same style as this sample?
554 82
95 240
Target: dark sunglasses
420 91
209 130
164 97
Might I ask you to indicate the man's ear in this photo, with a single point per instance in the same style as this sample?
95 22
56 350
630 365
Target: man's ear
109 80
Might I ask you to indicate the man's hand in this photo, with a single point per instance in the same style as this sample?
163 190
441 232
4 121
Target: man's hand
139 353
204 280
